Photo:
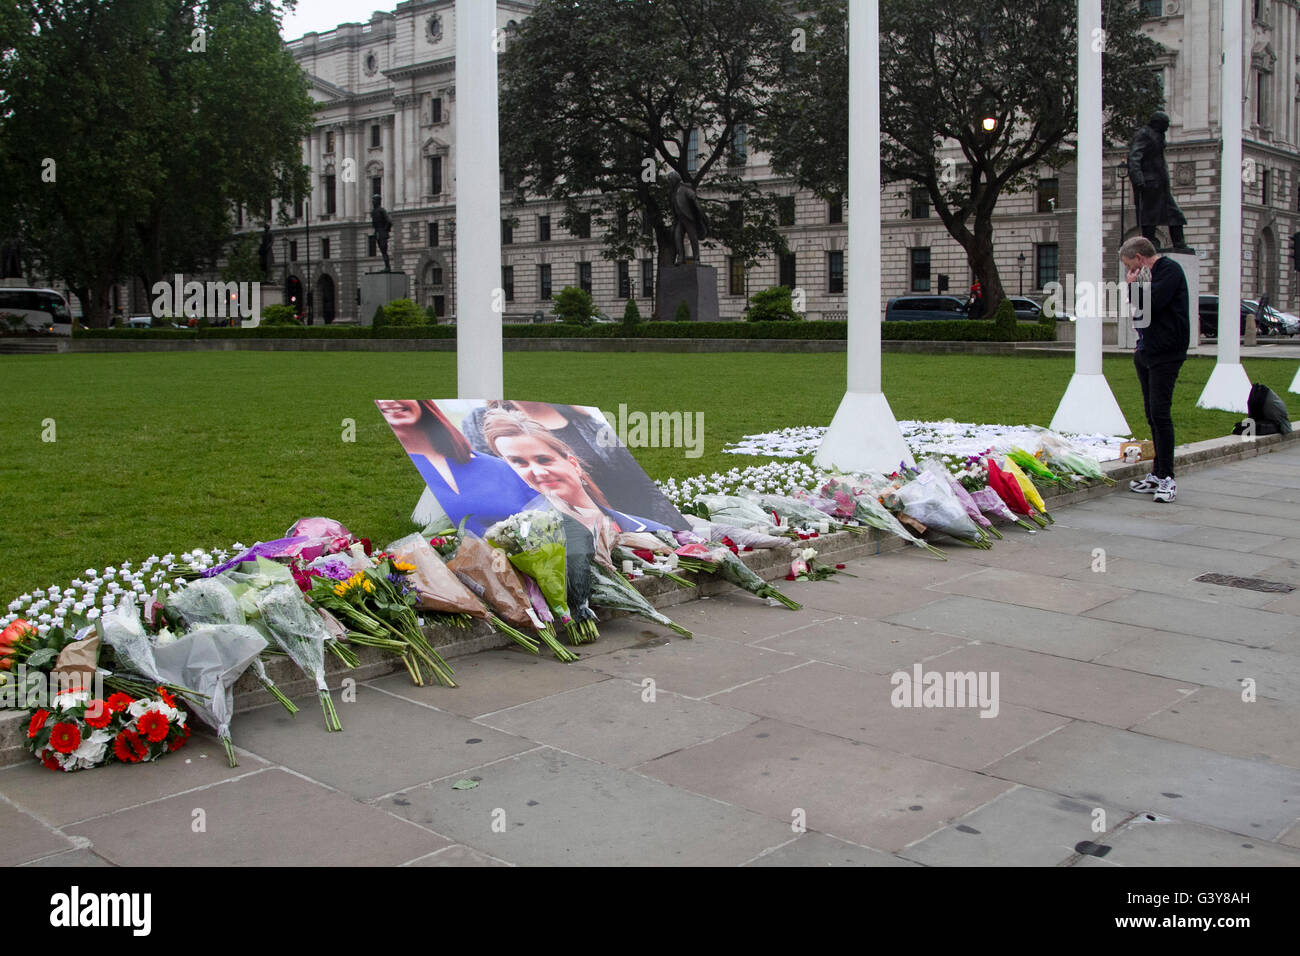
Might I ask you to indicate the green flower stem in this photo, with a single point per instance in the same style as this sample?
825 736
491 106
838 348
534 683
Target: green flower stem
519 637
331 717
230 750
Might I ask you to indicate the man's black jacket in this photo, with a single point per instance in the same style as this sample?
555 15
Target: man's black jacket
1165 339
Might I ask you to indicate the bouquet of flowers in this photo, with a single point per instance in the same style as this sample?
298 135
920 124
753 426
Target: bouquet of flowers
649 562
1031 465
735 510
1032 495
1008 489
534 541
804 567
797 513
930 500
611 590
861 503
1059 452
940 470
721 561
579 557
296 629
79 732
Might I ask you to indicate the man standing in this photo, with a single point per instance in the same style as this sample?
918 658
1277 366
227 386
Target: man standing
1163 327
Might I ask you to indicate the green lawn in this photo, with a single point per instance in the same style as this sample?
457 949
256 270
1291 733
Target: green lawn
165 452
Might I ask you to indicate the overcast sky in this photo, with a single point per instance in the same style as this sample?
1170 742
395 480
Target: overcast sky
322 15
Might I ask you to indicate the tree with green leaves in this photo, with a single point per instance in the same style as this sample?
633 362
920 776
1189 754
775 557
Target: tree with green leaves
131 129
944 68
600 98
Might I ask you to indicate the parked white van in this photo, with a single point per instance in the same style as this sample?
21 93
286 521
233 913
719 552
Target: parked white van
36 310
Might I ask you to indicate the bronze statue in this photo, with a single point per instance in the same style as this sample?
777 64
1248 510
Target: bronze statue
265 258
689 219
1149 174
379 218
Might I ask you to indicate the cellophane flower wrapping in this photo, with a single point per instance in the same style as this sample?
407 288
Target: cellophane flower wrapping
930 500
742 537
988 501
793 511
610 590
861 499
295 627
1031 493
204 601
579 555
487 571
1008 489
437 588
534 542
735 510
209 659
939 470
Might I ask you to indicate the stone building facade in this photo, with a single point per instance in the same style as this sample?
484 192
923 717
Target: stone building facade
386 121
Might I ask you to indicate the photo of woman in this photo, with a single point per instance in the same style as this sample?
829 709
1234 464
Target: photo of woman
609 464
550 467
478 488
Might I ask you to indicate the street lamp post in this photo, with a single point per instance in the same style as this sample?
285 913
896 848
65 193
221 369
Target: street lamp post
1020 263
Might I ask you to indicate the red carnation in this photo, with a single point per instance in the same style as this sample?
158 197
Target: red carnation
65 738
153 726
50 761
839 567
790 576
180 739
129 748
119 702
38 721
97 714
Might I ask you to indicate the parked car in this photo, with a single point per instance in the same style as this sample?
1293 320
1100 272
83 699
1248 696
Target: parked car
1027 310
924 308
1277 323
1208 309
41 311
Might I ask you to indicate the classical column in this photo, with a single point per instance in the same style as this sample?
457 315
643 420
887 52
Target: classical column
346 144
864 435
390 177
398 160
411 169
317 176
478 205
1088 405
1229 385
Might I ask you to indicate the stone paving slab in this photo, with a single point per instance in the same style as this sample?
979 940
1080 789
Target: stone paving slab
1227 504
1286 604
1281 477
1213 663
1288 548
694 668
1037 590
1141 506
1220 720
558 810
858 706
743 618
24 837
1232 487
1037 554
852 791
1221 622
818 849
491 681
1202 559
72 859
1021 827
1171 843
614 723
1233 540
387 743
66 798
845 595
1127 523
1066 635
270 817
1120 768
456 855
1176 582
1058 685
864 644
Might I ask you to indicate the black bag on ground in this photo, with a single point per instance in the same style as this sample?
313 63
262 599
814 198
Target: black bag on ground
1267 411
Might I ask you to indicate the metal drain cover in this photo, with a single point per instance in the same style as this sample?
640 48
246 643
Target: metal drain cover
1249 584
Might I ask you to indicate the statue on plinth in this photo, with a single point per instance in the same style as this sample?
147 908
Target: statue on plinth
1149 174
689 219
379 218
265 257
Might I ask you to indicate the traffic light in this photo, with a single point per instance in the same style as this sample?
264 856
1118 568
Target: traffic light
1295 251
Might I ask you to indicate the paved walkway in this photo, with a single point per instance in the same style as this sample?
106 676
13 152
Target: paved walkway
1120 707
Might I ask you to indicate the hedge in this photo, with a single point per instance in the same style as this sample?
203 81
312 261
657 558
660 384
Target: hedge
955 330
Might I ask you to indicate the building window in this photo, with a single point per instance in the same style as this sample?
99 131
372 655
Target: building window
647 278
1152 8
693 151
293 250
735 275
330 201
297 207
785 270
785 210
435 109
377 188
374 135
1265 180
329 141
1049 194
433 233
835 209
739 146
582 226
508 282
624 281
1045 260
543 228
920 269
920 202
544 281
584 276
435 276
508 178
324 248
835 272
435 175
736 213
440 306
507 232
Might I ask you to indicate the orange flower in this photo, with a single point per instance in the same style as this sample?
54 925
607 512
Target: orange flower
37 722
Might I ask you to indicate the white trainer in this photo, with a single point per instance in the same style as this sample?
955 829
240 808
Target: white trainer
1145 486
1167 490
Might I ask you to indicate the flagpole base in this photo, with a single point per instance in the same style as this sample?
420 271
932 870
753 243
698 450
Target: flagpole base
1089 408
1227 389
863 437
1295 382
